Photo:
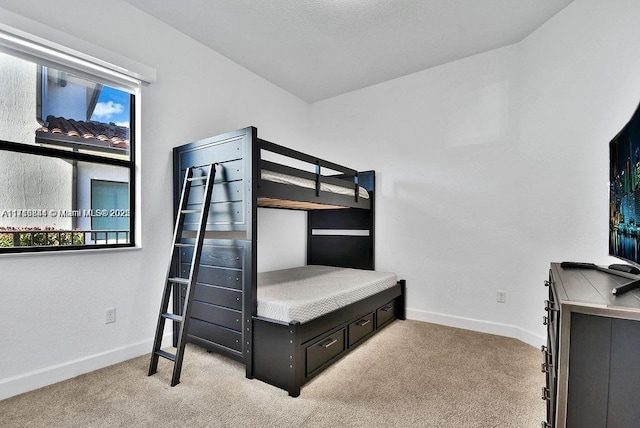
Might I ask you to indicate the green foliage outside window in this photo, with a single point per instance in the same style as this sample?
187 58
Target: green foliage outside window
34 237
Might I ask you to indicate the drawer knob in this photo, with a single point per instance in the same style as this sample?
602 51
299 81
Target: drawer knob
546 283
328 343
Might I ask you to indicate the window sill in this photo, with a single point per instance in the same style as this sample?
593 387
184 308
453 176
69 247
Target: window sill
49 253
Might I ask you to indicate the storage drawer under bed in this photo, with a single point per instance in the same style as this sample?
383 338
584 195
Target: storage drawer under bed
360 329
385 313
324 350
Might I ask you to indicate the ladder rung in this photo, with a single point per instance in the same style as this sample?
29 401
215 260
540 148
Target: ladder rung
184 244
190 211
166 355
200 178
179 280
172 317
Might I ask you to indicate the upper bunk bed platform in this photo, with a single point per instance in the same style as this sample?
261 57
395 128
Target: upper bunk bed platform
250 178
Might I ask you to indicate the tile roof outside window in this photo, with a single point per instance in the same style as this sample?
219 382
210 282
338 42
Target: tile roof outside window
114 135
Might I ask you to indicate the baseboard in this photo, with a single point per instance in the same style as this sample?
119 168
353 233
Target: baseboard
49 375
481 326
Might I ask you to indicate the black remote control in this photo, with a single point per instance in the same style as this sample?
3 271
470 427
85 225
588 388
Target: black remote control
625 268
578 265
626 287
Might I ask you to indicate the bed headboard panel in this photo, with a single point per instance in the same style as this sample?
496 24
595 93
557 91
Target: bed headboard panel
343 237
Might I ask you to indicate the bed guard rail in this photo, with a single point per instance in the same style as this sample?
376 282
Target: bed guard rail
347 174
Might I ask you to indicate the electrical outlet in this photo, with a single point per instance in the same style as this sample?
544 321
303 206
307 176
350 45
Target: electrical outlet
502 296
110 315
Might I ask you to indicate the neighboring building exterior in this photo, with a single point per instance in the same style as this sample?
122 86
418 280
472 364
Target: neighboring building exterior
22 181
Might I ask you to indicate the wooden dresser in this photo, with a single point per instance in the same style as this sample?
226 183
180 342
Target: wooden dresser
592 355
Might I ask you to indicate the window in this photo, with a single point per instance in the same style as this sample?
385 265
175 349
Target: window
67 163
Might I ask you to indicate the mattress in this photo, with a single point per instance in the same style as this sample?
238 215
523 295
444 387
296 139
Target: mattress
304 293
281 178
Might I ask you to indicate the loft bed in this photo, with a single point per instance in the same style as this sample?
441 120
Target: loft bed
284 326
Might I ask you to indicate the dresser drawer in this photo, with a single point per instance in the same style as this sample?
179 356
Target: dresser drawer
216 315
216 334
385 313
323 350
360 328
215 295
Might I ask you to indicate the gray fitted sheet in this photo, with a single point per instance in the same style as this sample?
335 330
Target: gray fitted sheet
307 292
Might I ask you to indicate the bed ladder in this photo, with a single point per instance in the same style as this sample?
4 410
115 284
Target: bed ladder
173 283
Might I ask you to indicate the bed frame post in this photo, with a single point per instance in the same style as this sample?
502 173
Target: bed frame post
250 269
402 310
248 354
296 361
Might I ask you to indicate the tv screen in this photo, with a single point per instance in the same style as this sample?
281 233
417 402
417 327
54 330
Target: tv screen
624 199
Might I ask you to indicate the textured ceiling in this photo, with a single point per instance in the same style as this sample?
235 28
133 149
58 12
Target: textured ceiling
317 49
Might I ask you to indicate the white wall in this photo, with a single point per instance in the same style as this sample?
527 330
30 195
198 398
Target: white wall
493 166
444 144
53 305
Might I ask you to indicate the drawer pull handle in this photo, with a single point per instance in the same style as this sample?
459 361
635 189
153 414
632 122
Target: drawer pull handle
328 343
548 306
362 323
386 308
545 394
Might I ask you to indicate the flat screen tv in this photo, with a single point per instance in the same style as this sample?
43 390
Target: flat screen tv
624 192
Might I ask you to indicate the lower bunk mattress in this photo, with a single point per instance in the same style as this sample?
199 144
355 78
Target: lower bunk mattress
304 293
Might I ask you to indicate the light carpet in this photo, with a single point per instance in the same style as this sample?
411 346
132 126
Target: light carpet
411 374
